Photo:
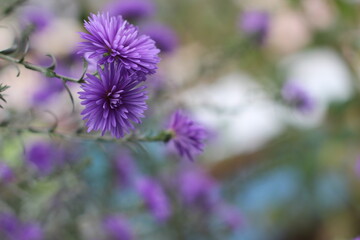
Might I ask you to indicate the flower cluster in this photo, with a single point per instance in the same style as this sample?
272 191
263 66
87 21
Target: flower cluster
114 98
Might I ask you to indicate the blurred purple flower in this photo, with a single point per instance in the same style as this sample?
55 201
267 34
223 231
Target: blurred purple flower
131 10
44 157
230 216
8 223
124 168
198 189
51 87
154 197
296 96
40 18
256 24
114 39
113 101
6 173
188 136
165 38
117 228
29 231
14 229
357 167
92 62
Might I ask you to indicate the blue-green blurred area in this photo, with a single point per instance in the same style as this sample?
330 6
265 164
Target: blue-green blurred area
276 82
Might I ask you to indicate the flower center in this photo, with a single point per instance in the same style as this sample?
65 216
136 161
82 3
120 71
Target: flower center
114 97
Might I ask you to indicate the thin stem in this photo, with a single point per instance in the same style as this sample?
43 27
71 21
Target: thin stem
162 136
46 71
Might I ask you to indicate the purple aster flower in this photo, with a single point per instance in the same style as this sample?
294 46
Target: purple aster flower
188 136
14 229
40 18
296 96
6 174
131 10
165 38
154 197
113 101
114 39
43 157
256 24
117 228
198 189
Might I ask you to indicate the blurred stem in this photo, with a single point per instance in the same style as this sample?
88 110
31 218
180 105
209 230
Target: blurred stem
10 8
163 136
49 72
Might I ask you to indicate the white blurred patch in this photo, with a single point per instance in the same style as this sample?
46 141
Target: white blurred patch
19 95
324 75
245 117
7 33
59 39
242 115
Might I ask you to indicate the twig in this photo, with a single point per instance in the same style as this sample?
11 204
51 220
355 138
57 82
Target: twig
163 136
49 72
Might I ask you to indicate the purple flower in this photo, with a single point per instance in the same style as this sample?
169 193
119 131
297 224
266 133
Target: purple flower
198 189
188 136
131 10
296 96
92 62
40 18
117 228
165 38
43 157
51 87
114 39
124 169
14 229
256 24
29 231
6 174
8 223
154 197
230 216
113 101
357 167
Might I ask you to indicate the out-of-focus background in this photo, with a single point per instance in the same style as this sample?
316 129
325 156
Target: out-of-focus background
276 82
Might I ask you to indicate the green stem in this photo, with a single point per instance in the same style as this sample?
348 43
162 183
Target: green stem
163 136
46 71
